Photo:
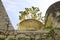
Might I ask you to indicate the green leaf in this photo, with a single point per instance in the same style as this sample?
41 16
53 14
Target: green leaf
33 11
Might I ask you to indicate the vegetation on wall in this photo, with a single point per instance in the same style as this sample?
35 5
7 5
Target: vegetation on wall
12 39
22 38
51 32
31 13
2 38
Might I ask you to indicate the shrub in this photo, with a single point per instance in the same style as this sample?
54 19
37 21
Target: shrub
2 38
22 38
12 39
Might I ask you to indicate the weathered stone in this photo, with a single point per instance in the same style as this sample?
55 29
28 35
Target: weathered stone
52 18
4 19
53 15
5 23
30 24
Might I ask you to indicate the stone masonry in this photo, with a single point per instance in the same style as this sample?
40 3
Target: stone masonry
53 18
7 31
4 20
5 24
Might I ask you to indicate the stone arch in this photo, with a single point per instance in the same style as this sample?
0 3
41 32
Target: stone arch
52 18
27 25
52 15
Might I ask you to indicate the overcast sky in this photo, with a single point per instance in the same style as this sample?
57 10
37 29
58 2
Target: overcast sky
14 6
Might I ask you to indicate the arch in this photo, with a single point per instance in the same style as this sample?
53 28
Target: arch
51 14
52 18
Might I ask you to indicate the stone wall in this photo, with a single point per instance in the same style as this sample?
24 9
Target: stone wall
52 18
4 19
7 31
30 35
